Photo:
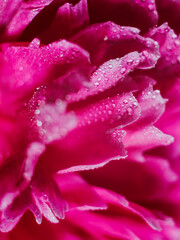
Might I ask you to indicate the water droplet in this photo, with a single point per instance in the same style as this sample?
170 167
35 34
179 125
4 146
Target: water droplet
37 111
114 134
106 38
174 36
45 197
129 110
157 91
109 112
129 61
150 7
135 104
122 70
39 123
177 42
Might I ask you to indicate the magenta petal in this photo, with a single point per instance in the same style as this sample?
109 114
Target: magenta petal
145 181
108 227
69 18
152 106
21 15
113 198
169 44
168 64
8 135
115 111
78 193
32 66
146 138
168 11
33 152
42 198
16 175
8 10
108 41
13 213
108 75
52 121
124 12
47 196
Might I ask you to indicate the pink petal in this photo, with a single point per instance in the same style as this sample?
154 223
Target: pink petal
112 112
108 75
47 196
21 15
15 211
70 18
8 10
124 12
152 106
168 11
168 64
25 68
108 40
78 193
33 152
8 137
52 121
143 182
120 221
42 198
113 198
16 174
146 138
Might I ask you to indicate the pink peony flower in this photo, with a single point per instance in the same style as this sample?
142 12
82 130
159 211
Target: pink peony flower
89 119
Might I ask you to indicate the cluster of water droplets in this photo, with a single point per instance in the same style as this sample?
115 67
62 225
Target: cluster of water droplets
53 122
113 71
112 112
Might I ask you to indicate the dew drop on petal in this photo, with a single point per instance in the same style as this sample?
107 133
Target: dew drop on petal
39 123
150 7
177 42
122 70
105 38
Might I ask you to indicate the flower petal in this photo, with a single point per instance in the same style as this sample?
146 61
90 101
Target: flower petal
70 18
108 75
146 138
124 12
168 64
168 11
112 112
21 14
108 40
53 123
25 68
78 193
